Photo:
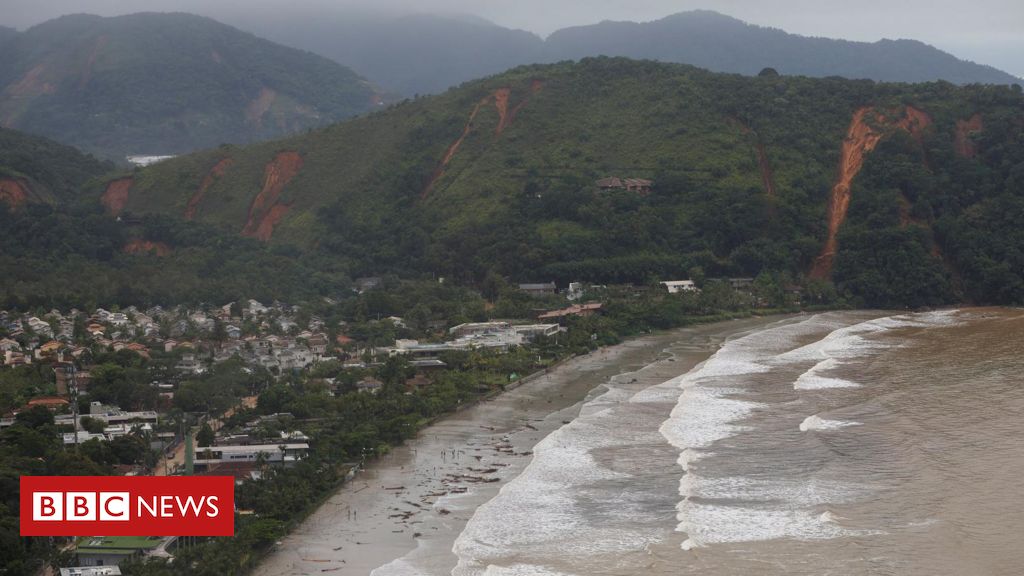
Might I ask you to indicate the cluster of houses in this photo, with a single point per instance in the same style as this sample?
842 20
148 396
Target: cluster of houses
214 334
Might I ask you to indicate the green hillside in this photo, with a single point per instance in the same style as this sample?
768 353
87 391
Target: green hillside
743 170
34 169
154 84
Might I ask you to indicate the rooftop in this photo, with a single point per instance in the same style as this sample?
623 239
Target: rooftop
91 571
117 544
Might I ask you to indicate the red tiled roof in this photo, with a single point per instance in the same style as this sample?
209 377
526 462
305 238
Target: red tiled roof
47 401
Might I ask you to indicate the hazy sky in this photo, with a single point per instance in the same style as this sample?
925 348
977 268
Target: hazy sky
986 31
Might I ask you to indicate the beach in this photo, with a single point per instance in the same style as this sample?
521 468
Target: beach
403 513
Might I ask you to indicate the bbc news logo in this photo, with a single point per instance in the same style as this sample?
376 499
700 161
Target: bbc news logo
127 506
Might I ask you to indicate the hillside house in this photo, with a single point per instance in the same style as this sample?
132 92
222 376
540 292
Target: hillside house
367 283
638 185
676 286
543 289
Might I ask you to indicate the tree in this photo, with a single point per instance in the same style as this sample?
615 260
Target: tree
93 425
205 437
492 286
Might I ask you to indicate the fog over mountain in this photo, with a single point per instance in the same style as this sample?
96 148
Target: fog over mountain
986 31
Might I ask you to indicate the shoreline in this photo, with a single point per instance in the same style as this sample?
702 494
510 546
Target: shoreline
403 512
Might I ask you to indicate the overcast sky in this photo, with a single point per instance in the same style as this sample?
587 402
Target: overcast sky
986 31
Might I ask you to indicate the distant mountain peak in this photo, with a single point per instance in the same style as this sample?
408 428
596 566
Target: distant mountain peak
66 79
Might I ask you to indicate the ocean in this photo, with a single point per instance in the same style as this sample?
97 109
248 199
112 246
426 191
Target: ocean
837 443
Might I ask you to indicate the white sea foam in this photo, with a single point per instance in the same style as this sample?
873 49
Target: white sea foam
537 513
709 409
797 491
714 523
818 423
814 380
521 570
398 567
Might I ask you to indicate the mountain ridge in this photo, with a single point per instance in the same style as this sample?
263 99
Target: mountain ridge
165 83
501 175
447 52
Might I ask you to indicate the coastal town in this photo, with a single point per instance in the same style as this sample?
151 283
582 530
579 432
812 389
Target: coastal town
195 389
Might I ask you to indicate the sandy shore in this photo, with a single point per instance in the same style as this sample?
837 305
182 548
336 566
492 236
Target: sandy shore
403 513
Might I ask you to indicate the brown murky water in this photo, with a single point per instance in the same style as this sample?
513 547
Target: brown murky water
841 443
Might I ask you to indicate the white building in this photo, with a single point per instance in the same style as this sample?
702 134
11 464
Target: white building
286 453
676 286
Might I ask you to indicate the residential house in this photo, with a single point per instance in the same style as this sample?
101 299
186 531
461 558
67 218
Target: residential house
676 286
190 364
531 331
543 289
366 283
284 453
91 571
40 327
575 291
318 345
112 550
369 384
69 438
638 185
471 328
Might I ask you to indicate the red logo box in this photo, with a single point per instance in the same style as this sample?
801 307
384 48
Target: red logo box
127 505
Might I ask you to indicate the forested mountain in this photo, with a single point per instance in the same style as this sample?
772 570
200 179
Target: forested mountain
414 54
427 54
901 194
7 34
165 84
720 43
34 169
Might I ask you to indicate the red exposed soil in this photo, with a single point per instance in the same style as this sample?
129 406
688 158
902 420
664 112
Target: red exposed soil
963 144
765 167
31 84
266 227
915 121
505 117
265 211
450 152
535 86
87 69
13 193
116 196
865 131
145 246
259 106
501 103
216 172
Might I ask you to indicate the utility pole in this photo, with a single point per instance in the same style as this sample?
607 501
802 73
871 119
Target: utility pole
73 392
